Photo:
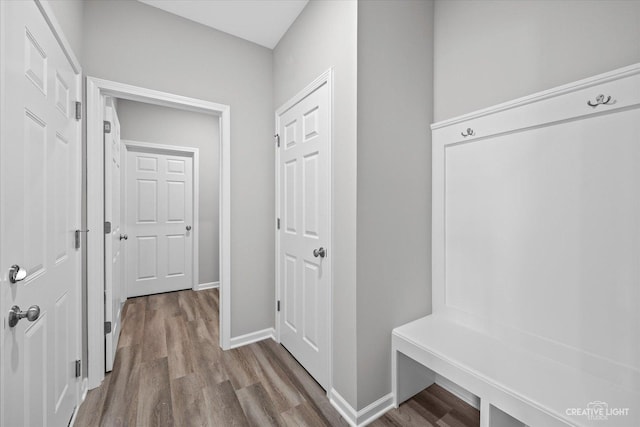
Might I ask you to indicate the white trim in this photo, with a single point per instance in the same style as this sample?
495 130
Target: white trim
550 93
252 337
324 78
208 285
96 90
194 153
366 415
457 391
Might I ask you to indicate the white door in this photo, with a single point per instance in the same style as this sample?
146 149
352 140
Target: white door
39 213
159 222
304 267
114 241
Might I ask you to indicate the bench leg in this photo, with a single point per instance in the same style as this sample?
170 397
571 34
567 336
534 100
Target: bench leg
408 377
485 412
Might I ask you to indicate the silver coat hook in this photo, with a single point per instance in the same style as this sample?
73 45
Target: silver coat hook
469 132
600 100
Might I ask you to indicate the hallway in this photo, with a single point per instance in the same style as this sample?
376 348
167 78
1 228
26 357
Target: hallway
169 370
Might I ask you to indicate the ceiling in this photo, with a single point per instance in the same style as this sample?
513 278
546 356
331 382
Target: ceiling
260 21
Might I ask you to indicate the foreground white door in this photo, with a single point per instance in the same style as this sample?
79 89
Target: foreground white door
114 242
159 222
39 213
304 268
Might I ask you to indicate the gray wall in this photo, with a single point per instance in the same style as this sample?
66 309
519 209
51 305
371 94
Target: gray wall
169 126
69 15
395 99
133 43
325 35
487 52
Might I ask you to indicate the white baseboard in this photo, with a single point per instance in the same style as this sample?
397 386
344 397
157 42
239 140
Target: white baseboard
252 337
364 416
458 391
208 285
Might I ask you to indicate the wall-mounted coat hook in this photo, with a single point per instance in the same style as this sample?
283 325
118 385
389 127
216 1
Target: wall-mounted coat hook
600 100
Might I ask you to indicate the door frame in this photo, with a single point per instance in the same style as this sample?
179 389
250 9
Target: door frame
194 153
56 29
96 89
325 78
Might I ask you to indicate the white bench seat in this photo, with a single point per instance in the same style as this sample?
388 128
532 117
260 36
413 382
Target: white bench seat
535 390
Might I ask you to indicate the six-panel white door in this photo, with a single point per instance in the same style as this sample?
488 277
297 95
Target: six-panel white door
304 186
39 213
159 222
114 242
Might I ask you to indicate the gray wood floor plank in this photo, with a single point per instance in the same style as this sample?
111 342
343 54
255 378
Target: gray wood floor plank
303 415
258 406
121 402
179 347
224 409
154 339
154 405
189 406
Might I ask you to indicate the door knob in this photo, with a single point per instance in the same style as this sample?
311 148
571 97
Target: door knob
15 314
188 228
319 253
17 274
124 237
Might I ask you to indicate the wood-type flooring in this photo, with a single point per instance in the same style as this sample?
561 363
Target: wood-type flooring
170 371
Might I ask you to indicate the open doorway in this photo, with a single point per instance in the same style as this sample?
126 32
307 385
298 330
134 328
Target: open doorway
143 127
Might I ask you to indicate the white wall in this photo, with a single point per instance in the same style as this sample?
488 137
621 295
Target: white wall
325 35
130 42
169 126
395 99
487 52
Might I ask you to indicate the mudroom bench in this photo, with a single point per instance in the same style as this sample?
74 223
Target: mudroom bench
535 297
515 387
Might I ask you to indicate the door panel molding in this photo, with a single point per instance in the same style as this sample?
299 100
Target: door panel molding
96 89
286 142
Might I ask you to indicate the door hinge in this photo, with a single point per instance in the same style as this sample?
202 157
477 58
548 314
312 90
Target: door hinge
278 305
278 223
107 127
78 368
277 137
78 110
107 328
107 227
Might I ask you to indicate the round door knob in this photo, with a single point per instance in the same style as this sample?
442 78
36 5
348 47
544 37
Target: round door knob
17 273
15 315
124 237
321 252
188 228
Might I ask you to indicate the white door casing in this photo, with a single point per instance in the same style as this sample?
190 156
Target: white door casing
95 90
160 220
39 213
304 212
114 241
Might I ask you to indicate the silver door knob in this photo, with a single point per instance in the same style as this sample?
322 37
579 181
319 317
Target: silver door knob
15 314
188 228
124 237
17 274
319 253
